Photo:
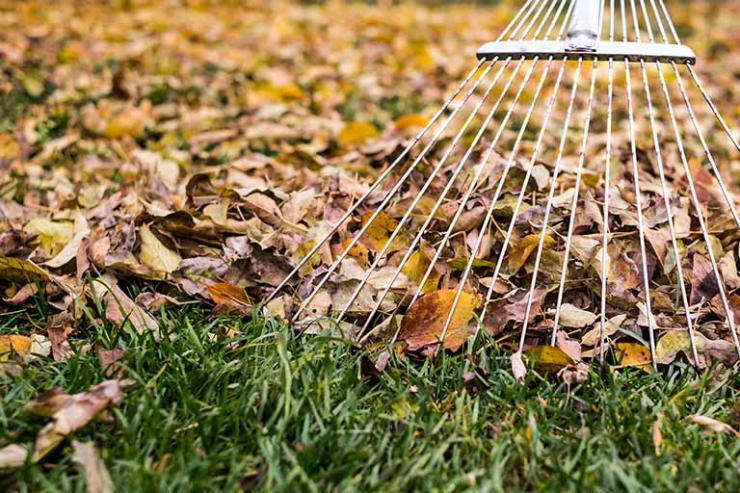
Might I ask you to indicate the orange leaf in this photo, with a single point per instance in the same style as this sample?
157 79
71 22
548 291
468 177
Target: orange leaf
423 323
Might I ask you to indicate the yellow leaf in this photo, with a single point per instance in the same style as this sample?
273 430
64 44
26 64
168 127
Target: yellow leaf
359 252
423 323
155 254
379 232
17 270
415 268
549 359
355 133
52 235
633 354
14 344
526 246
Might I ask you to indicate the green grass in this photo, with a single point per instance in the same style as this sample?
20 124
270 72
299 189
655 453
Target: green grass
273 411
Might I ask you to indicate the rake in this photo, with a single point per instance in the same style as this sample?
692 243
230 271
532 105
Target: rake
452 204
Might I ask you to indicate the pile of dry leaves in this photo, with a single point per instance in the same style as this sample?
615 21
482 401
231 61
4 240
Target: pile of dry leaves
201 150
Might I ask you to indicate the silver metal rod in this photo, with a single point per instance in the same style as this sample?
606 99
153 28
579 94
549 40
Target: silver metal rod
548 208
607 190
392 193
506 169
530 167
729 315
664 186
638 198
574 209
699 85
376 184
460 166
606 49
528 6
473 183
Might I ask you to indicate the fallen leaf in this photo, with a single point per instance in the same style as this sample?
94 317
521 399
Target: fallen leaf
633 354
155 254
423 323
71 412
96 474
119 308
712 424
13 456
230 296
548 358
574 317
18 270
657 436
355 133
524 248
14 345
518 368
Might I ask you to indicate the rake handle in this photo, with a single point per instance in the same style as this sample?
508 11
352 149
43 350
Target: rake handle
584 30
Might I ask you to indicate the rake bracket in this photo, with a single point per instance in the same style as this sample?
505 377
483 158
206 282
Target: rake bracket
605 50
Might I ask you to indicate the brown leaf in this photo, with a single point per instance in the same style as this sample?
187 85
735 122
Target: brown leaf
703 283
13 456
229 296
119 308
71 412
713 425
423 323
96 474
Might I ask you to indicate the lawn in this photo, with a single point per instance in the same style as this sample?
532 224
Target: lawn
225 404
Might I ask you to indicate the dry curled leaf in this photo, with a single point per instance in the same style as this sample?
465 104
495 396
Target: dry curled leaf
71 412
713 425
518 368
96 474
423 323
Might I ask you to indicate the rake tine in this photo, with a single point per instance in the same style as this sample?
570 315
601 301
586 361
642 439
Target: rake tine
607 186
395 189
437 204
432 213
516 20
438 252
704 93
638 193
398 186
548 207
574 208
532 162
401 158
664 187
695 201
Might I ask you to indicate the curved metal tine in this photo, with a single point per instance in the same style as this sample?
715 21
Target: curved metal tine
438 203
548 207
530 167
699 85
403 178
380 255
729 315
574 209
607 187
638 193
399 184
399 160
663 184
512 105
519 19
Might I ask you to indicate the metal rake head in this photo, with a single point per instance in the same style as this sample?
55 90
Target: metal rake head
566 189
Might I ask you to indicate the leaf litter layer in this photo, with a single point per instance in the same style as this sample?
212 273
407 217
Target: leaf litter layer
156 156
